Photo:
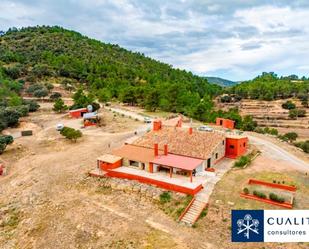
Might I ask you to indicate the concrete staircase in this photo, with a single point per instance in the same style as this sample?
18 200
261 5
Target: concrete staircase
193 211
200 200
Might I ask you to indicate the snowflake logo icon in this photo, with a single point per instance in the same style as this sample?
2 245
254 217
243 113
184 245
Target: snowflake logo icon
247 225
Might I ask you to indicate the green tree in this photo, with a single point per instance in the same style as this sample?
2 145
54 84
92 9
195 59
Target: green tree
15 100
59 106
248 124
71 133
128 95
81 99
104 95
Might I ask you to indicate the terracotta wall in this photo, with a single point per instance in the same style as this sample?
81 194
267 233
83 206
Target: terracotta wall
77 114
226 123
160 184
106 166
236 147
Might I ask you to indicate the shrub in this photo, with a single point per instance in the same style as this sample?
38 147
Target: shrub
226 99
7 139
276 198
9 117
55 95
33 105
259 194
71 133
259 130
32 88
291 136
246 191
297 113
283 138
242 161
2 147
304 145
49 86
273 131
40 93
165 197
289 105
22 110
4 141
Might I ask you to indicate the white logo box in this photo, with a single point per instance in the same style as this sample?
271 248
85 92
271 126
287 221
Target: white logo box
286 225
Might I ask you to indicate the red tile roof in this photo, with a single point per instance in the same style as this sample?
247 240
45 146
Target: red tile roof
135 153
199 144
176 161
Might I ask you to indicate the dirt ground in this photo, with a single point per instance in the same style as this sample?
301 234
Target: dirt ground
48 201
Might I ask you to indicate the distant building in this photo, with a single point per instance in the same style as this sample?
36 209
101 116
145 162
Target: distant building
226 123
78 113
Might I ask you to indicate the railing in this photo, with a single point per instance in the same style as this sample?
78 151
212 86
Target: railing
186 209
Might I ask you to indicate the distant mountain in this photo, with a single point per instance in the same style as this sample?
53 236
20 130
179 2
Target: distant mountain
220 81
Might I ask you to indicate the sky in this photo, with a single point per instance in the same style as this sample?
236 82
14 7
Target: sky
233 39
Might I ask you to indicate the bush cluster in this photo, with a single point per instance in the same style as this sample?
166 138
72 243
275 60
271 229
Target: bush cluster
259 194
165 197
4 141
267 130
71 133
276 198
304 145
295 113
242 161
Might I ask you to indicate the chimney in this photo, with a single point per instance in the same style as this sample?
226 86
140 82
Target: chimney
156 149
190 130
165 149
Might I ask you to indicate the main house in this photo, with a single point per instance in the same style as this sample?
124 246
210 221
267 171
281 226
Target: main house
171 156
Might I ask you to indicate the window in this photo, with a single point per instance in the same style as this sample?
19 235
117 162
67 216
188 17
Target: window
244 144
232 147
133 163
223 142
216 155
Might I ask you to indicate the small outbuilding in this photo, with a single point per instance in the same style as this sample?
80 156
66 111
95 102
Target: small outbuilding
108 161
91 119
236 145
226 123
78 113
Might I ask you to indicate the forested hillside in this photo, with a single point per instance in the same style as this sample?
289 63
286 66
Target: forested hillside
108 71
269 86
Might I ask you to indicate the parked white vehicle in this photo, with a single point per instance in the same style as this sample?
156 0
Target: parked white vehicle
205 128
147 120
59 127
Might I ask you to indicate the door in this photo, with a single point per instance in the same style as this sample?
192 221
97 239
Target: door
208 162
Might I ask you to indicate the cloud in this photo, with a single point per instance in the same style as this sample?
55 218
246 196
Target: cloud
233 39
